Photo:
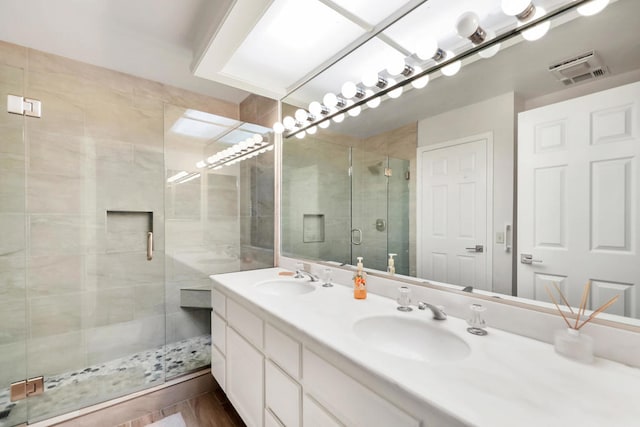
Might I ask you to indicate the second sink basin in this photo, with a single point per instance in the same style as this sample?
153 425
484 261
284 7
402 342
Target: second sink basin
410 338
285 287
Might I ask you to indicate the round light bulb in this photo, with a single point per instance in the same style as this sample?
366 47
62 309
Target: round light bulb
315 108
330 100
355 111
490 51
538 31
592 7
301 115
396 93
339 118
422 81
244 145
349 90
300 135
211 159
396 65
370 78
257 138
374 102
325 124
311 131
515 7
289 122
278 128
468 23
453 68
427 49
201 164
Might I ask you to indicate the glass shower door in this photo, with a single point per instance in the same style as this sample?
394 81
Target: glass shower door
13 249
369 208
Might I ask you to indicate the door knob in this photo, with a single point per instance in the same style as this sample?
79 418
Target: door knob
528 259
476 248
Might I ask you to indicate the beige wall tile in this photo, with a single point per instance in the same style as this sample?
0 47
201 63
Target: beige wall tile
56 154
13 362
55 194
127 124
56 354
55 274
55 314
107 306
12 183
13 55
62 113
60 234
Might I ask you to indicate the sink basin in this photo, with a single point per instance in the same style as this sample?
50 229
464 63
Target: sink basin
285 287
412 339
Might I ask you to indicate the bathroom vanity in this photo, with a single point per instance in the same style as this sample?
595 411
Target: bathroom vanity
289 352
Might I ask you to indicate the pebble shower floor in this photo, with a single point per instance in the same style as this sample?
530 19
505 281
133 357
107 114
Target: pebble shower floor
66 392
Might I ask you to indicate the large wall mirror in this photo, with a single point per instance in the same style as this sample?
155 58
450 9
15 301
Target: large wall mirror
518 172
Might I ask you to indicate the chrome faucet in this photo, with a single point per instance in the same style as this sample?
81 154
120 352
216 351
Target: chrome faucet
301 273
438 312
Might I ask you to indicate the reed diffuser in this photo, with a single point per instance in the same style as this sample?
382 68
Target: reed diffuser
571 342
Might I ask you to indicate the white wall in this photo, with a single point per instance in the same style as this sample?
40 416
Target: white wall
496 115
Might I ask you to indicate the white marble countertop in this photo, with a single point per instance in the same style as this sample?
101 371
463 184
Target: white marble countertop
507 379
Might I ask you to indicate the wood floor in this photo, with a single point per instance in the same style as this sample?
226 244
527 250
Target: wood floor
212 409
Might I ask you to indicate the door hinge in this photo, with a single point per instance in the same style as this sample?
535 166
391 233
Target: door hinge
24 106
350 170
388 172
25 388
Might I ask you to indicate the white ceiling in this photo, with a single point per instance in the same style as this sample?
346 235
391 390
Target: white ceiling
153 39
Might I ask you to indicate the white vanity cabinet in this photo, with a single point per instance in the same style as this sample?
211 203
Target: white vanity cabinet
273 380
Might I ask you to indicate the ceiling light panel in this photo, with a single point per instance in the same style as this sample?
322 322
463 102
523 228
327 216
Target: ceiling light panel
197 129
291 39
372 14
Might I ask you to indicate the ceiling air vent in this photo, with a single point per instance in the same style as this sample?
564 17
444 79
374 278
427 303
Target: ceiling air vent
579 68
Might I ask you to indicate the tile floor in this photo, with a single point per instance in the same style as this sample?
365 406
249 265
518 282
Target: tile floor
72 390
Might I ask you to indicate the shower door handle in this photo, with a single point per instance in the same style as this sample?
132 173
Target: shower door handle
353 240
149 246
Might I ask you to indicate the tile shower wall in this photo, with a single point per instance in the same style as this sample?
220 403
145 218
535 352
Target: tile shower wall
99 146
315 181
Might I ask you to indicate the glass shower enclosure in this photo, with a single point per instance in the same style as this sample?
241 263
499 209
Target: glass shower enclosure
100 243
340 202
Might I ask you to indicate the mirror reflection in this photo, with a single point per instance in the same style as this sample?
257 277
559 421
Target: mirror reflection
522 167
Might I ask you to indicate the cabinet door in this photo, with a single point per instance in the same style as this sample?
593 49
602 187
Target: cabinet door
348 400
245 377
316 416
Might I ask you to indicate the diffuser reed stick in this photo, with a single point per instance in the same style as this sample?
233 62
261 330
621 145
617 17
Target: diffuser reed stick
583 306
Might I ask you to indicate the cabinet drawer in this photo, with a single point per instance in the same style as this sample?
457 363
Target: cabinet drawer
282 395
351 402
218 367
282 349
219 303
218 332
270 420
314 415
245 322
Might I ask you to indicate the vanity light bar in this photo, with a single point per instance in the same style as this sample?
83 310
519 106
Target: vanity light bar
448 60
258 149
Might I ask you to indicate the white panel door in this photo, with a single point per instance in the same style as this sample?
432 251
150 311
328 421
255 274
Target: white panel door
453 244
578 187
